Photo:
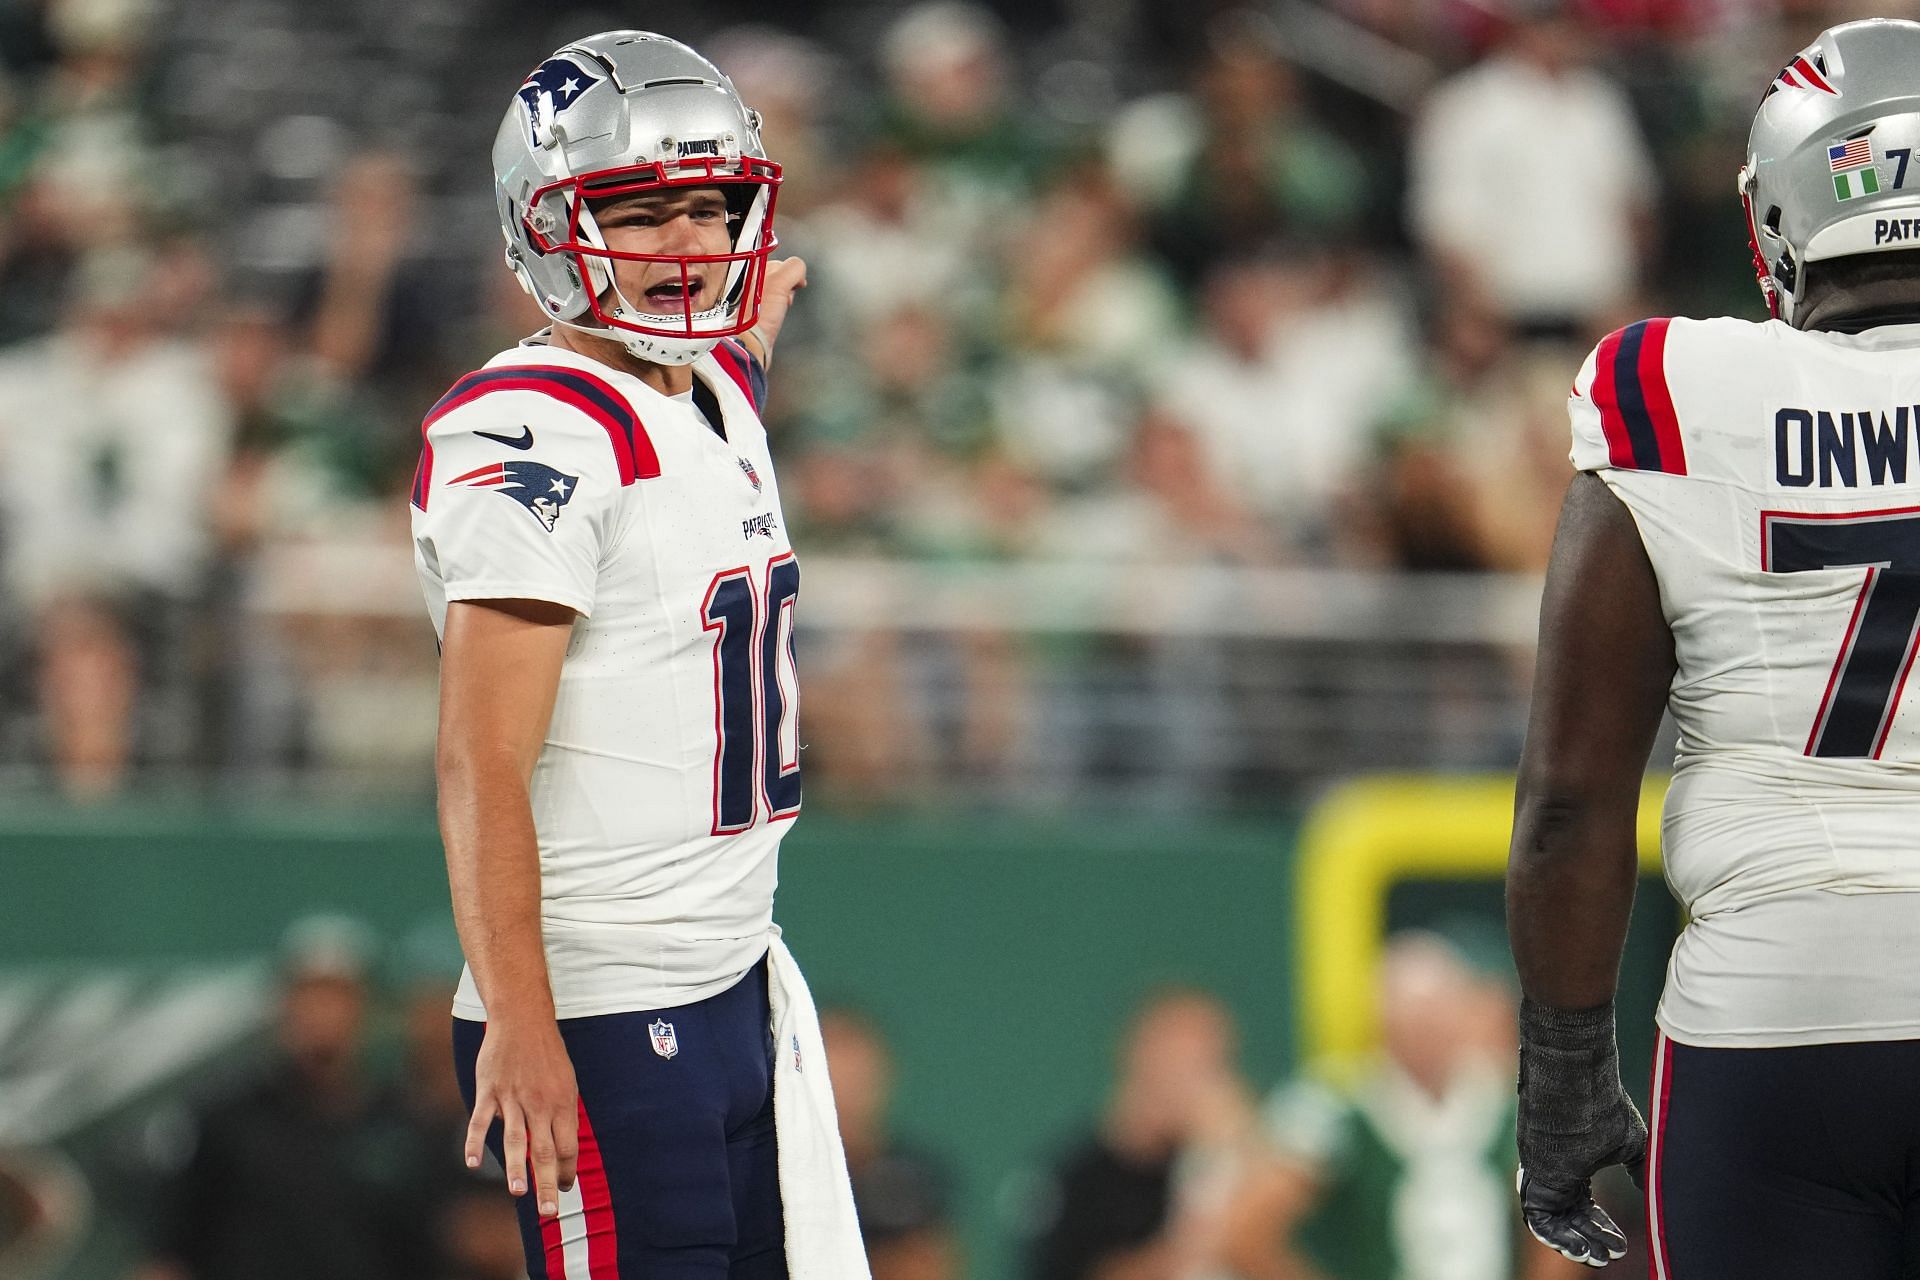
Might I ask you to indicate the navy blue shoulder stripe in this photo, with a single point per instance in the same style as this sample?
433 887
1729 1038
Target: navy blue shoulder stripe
583 391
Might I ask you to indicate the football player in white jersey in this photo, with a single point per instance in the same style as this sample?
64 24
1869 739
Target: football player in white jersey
1741 547
598 532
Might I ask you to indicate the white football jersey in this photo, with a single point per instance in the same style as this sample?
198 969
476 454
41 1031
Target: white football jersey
672 760
1774 475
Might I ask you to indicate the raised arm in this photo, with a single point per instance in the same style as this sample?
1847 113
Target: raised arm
785 278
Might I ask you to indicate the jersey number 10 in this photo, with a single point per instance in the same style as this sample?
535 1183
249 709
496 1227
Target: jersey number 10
1863 692
756 760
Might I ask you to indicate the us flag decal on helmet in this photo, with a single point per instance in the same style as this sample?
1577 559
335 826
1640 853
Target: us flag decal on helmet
1804 74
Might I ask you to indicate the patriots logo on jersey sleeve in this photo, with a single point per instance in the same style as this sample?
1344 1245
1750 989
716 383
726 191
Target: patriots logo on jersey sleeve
540 489
560 81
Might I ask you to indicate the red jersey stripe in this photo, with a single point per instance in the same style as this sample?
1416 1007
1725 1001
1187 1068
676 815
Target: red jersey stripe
730 363
1659 397
633 450
596 1196
1606 398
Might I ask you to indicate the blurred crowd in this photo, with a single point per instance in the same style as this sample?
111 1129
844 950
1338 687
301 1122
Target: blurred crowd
1399 1167
1113 283
338 1151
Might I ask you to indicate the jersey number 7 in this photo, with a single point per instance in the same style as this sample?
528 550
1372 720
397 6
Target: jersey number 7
756 759
1862 694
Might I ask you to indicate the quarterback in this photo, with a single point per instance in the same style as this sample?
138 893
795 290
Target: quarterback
1735 550
598 532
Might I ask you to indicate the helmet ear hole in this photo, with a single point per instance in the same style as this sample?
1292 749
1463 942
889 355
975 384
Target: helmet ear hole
1773 219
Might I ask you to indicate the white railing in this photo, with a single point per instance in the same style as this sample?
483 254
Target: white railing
1043 681
841 593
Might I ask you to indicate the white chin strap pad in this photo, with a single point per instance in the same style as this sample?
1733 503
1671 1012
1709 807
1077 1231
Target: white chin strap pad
674 351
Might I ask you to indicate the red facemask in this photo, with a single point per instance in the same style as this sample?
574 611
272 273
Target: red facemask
732 308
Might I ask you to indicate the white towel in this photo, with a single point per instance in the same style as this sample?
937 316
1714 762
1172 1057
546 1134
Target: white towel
823 1232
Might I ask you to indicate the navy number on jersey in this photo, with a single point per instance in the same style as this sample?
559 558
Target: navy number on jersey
756 760
1862 694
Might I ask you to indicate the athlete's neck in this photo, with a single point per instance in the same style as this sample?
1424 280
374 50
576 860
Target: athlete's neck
1859 307
667 379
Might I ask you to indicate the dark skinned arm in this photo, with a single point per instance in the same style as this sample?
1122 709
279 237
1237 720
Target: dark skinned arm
1605 664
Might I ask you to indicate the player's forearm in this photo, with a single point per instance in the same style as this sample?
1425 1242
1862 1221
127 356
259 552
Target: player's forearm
493 870
1571 876
1605 663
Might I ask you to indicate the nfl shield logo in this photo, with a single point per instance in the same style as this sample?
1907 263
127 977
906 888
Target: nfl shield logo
664 1042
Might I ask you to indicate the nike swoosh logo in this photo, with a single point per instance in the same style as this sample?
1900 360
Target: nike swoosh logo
522 441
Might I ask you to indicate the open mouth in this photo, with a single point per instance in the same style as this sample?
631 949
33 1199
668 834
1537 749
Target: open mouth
675 295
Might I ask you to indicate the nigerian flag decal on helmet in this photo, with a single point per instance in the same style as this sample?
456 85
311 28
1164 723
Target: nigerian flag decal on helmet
1853 170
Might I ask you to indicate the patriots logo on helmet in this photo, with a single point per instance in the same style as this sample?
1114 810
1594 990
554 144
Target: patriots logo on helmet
540 489
560 81
1804 73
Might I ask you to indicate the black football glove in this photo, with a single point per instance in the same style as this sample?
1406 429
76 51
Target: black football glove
1575 1119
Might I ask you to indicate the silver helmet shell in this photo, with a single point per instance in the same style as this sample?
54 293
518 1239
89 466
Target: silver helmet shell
619 113
1828 170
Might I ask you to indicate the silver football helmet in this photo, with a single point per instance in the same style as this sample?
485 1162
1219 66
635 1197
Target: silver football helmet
615 114
1828 166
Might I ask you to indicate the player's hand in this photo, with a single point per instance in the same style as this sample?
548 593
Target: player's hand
784 279
1564 1217
1575 1120
525 1079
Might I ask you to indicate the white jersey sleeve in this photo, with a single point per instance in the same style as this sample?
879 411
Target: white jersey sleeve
520 495
1589 440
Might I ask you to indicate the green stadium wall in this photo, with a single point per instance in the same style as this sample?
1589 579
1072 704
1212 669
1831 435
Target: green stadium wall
1000 954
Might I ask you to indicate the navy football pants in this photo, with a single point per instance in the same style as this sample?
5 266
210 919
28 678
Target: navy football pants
1770 1164
677 1176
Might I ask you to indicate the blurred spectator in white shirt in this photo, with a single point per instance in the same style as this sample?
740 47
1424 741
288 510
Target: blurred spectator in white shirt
117 436
1531 183
1297 360
1087 316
